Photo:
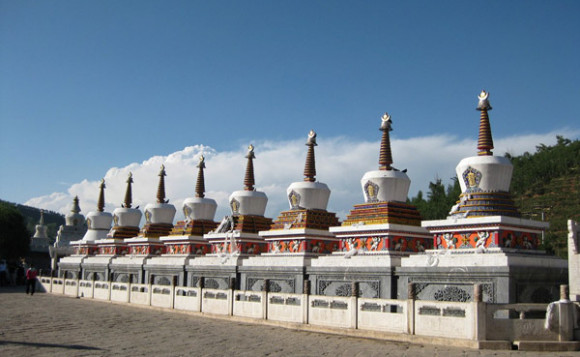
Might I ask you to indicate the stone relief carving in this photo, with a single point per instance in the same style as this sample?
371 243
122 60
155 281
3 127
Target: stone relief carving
452 293
211 284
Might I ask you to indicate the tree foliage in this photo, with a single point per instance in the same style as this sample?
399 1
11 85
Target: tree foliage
14 237
439 199
532 172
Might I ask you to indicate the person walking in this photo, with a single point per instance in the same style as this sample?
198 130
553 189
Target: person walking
31 274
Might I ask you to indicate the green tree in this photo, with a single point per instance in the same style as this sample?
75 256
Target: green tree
437 205
14 237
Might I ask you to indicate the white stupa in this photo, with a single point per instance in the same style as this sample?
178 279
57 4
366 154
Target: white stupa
484 240
99 221
238 233
40 241
159 215
74 227
375 235
186 237
199 208
125 218
303 230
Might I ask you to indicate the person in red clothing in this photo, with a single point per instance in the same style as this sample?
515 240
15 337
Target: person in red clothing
31 274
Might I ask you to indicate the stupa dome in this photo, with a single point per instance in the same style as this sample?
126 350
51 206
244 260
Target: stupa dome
484 173
199 207
386 184
98 222
248 201
161 211
74 218
40 228
309 194
125 216
484 179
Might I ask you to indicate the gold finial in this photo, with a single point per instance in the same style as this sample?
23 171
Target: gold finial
483 101
250 154
201 162
386 122
311 138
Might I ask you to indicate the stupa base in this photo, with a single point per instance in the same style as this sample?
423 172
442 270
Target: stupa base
506 275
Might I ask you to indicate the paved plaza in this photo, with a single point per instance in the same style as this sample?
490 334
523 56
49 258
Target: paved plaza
51 325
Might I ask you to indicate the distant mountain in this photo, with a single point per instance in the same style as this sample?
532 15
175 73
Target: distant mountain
32 215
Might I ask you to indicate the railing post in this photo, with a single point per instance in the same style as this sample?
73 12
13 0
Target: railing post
232 286
305 301
201 285
480 313
78 285
354 305
266 286
411 296
173 291
93 279
565 307
150 288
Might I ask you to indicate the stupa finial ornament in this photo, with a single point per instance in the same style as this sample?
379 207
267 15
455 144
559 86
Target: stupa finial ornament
310 166
161 186
385 156
483 101
249 178
200 184
128 192
485 140
75 208
41 222
101 201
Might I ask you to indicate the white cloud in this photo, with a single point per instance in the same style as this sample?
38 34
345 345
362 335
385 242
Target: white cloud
340 163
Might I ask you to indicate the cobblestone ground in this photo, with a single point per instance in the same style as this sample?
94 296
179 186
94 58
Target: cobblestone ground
51 325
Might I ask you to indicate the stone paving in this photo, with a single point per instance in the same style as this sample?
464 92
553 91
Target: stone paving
53 325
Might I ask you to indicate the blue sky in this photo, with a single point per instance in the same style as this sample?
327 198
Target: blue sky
90 86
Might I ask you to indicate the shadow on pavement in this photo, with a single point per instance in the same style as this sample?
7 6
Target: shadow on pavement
52 345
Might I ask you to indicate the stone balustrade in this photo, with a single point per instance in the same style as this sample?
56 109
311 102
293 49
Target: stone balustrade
471 324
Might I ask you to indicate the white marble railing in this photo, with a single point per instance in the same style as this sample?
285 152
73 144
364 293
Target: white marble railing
468 321
519 322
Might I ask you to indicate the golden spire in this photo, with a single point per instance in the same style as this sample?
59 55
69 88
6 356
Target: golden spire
128 192
161 186
385 156
485 141
101 201
200 184
310 166
249 178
